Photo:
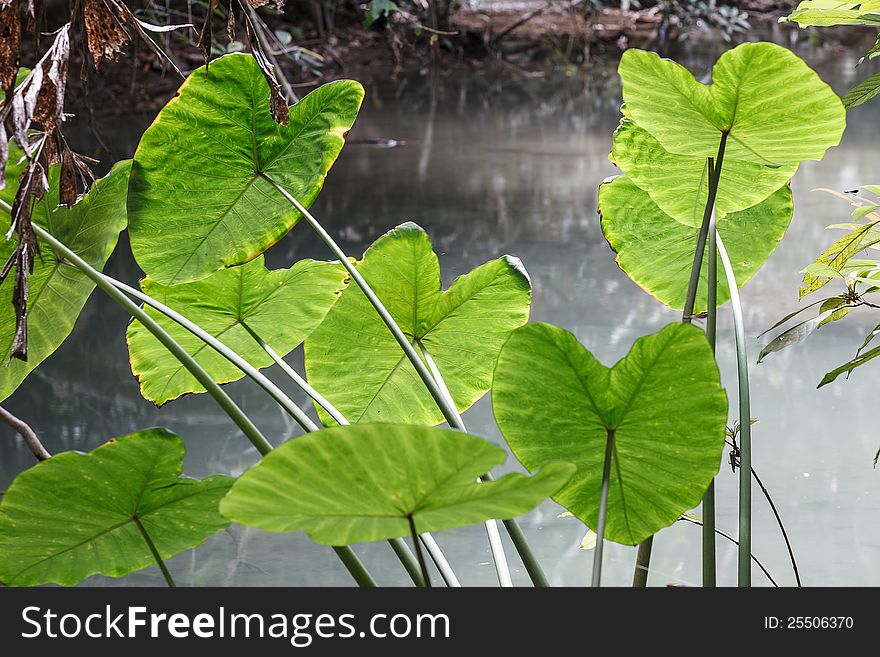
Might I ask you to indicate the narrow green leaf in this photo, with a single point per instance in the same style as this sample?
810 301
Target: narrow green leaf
849 366
362 483
73 515
833 259
862 92
663 401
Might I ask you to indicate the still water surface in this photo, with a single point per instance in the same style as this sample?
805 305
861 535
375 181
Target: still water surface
506 164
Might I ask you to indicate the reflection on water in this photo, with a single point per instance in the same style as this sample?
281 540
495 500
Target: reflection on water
511 165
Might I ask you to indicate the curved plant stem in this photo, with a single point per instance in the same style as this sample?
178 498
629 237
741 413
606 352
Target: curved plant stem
258 377
709 561
419 554
399 546
449 411
794 566
27 434
406 557
156 557
294 376
603 511
355 566
263 446
439 559
232 410
502 570
730 538
745 482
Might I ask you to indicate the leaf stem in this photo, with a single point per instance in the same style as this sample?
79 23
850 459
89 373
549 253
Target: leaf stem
294 376
603 511
258 377
419 554
502 570
449 411
158 559
744 577
643 563
709 559
232 410
355 566
263 446
439 559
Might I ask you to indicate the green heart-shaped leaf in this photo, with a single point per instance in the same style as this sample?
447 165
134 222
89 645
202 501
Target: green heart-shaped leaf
774 108
75 515
199 199
282 307
354 361
58 290
679 184
363 483
657 252
663 401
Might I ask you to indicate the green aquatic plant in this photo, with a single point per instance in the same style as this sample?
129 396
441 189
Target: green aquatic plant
216 181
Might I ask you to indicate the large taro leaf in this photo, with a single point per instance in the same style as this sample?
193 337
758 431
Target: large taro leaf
825 13
282 307
355 362
775 110
58 291
663 401
76 514
364 483
679 184
657 252
198 200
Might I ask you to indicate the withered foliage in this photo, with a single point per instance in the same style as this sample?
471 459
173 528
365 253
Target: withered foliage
32 112
277 101
104 31
10 29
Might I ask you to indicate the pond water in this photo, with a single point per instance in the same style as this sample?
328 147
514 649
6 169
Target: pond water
504 163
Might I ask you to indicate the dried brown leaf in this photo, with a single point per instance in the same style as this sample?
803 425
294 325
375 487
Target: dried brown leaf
105 31
10 29
207 33
67 180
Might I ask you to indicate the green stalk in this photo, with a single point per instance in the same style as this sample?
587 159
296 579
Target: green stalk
232 410
502 570
745 425
156 557
643 563
603 511
401 549
713 167
709 560
399 546
355 566
263 446
419 554
294 376
258 377
439 559
449 411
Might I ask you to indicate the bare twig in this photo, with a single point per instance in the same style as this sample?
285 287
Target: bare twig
28 435
730 538
525 18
